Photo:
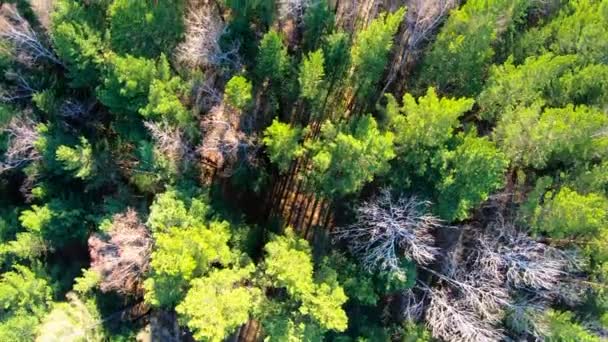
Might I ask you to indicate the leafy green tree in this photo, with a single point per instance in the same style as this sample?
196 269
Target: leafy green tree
283 144
423 128
77 43
468 175
370 52
126 83
272 61
24 299
314 305
569 213
77 160
336 56
318 21
164 99
347 157
238 92
578 29
464 48
228 303
312 75
561 327
59 222
75 320
555 136
145 28
187 246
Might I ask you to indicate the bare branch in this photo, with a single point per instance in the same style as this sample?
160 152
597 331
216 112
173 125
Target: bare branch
224 144
201 47
387 230
29 48
170 142
22 136
123 259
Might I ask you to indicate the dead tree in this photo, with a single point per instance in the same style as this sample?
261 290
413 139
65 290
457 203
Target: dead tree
224 144
422 19
387 229
21 89
170 142
292 9
122 257
201 46
28 45
21 147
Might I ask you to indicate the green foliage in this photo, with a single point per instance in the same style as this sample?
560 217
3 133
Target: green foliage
74 320
238 92
126 83
311 75
145 28
165 99
187 246
579 29
272 61
347 157
24 299
228 303
77 43
459 57
58 222
370 51
555 136
336 55
283 144
422 130
468 175
288 265
570 214
77 160
318 21
561 327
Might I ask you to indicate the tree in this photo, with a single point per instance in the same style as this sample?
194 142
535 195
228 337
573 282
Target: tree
77 44
164 99
74 320
272 61
126 83
346 157
459 57
22 136
24 298
370 52
145 28
288 265
228 303
28 47
423 128
78 160
537 138
468 176
561 327
318 21
122 258
283 144
388 229
312 75
238 92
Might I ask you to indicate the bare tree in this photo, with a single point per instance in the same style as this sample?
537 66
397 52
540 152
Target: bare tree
292 9
124 257
422 19
21 148
387 230
453 319
224 143
28 45
201 46
170 142
21 88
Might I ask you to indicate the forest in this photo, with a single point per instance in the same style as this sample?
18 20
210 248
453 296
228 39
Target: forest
304 170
